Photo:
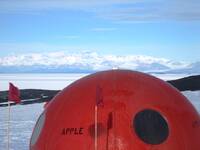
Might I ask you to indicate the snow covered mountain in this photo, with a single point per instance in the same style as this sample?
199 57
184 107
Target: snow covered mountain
193 68
61 62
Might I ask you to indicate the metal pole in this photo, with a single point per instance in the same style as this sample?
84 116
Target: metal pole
107 139
8 127
96 127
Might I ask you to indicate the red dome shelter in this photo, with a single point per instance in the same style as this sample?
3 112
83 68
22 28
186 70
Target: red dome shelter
118 110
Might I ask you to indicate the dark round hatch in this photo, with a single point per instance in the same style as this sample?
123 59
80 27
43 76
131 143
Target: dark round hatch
151 127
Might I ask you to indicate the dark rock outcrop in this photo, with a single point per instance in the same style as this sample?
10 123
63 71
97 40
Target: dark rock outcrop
191 83
29 96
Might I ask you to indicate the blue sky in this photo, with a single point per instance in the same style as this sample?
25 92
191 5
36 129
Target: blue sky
169 29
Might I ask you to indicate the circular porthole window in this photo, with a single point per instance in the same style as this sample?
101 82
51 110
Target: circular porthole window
38 128
151 127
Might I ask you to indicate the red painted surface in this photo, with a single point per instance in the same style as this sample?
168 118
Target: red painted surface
124 94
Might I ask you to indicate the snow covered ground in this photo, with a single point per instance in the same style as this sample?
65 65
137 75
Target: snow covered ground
23 117
194 97
54 81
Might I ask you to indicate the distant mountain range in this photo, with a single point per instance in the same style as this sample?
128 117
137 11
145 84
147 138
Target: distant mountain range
62 62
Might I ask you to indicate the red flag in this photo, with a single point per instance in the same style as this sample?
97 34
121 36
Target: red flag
110 121
99 97
14 94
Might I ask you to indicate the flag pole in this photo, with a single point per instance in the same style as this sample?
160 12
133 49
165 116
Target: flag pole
8 127
13 95
107 138
96 128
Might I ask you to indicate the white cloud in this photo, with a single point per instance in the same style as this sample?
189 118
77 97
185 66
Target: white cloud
103 29
69 37
12 5
153 11
117 10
